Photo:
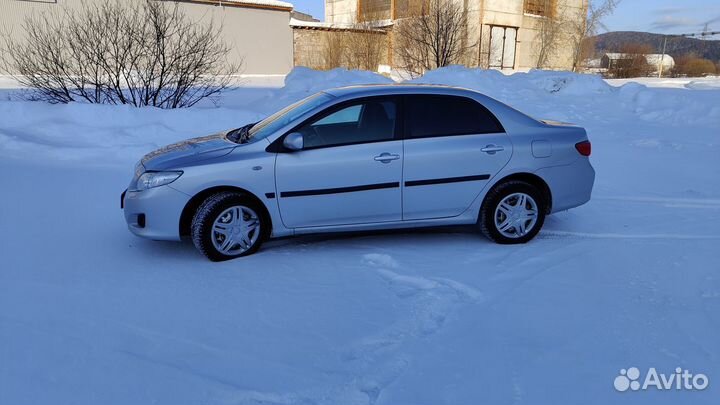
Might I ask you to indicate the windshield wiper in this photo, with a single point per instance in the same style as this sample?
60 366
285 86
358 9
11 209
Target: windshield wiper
242 134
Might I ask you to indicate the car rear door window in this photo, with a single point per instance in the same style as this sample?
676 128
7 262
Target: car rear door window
442 115
370 120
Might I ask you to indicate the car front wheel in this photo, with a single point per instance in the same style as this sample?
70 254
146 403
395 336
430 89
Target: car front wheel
513 212
228 225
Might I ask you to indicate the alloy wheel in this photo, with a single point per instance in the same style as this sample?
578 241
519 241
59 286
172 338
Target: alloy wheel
516 215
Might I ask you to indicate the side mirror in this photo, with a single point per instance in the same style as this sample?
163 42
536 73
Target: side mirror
294 141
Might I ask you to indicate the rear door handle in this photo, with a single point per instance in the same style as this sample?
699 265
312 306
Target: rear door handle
492 149
386 157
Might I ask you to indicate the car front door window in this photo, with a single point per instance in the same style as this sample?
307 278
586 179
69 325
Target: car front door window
368 121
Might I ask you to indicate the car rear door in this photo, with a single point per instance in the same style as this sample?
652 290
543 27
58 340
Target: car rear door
349 170
453 145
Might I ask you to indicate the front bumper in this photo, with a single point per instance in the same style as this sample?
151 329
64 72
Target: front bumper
154 213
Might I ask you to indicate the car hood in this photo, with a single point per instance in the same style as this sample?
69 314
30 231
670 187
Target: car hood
188 152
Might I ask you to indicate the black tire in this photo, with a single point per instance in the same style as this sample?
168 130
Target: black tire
201 228
498 193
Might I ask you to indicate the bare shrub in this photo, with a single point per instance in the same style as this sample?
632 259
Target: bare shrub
633 62
693 66
358 46
138 52
435 38
366 44
365 50
334 49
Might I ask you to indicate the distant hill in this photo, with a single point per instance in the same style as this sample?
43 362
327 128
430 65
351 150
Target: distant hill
676 46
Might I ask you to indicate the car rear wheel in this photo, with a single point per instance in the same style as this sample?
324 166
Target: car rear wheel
228 225
513 212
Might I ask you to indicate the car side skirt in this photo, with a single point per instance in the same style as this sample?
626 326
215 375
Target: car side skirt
464 219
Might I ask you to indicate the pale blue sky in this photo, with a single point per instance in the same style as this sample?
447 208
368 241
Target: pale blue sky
314 7
662 16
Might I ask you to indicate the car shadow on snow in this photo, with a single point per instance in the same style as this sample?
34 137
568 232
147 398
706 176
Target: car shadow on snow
384 236
185 251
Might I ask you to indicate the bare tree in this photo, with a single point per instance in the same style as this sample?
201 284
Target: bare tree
435 38
549 34
584 28
358 46
334 49
138 52
366 44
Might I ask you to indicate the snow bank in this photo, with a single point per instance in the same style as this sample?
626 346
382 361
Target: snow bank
103 134
110 135
672 106
495 82
704 85
302 80
558 95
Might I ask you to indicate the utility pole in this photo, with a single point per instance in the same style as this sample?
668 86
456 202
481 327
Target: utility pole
703 35
662 57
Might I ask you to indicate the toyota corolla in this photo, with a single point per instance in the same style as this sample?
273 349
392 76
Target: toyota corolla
363 158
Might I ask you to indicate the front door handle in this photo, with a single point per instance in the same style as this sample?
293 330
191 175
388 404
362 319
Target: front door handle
386 157
492 149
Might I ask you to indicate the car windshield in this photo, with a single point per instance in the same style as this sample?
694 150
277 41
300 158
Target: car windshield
269 125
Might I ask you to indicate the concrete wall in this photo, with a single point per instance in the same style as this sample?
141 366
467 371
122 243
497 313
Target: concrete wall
261 38
310 46
341 11
483 14
510 13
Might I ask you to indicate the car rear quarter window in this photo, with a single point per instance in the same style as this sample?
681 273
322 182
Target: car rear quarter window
442 115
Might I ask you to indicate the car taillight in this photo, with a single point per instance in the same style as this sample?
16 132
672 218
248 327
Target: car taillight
584 148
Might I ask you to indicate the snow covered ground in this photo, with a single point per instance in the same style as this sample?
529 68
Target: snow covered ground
90 314
695 83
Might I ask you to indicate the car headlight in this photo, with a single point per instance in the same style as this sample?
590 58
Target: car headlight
155 179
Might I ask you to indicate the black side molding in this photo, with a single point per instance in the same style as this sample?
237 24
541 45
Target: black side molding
325 191
377 186
428 182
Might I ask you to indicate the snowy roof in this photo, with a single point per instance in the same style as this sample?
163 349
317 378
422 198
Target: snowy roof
259 3
294 22
651 58
619 55
593 63
655 59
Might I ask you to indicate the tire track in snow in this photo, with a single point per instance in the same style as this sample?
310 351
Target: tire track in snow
377 360
670 202
589 235
683 212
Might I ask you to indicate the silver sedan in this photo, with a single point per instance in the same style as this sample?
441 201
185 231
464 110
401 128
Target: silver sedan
363 158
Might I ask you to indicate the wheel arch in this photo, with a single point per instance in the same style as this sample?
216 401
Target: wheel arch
530 178
192 205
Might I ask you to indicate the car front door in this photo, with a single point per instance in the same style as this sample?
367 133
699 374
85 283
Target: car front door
349 169
453 145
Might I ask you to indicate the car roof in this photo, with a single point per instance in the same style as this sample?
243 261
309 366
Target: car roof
507 115
391 89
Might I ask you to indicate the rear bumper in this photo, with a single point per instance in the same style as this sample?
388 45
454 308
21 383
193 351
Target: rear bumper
570 185
154 213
